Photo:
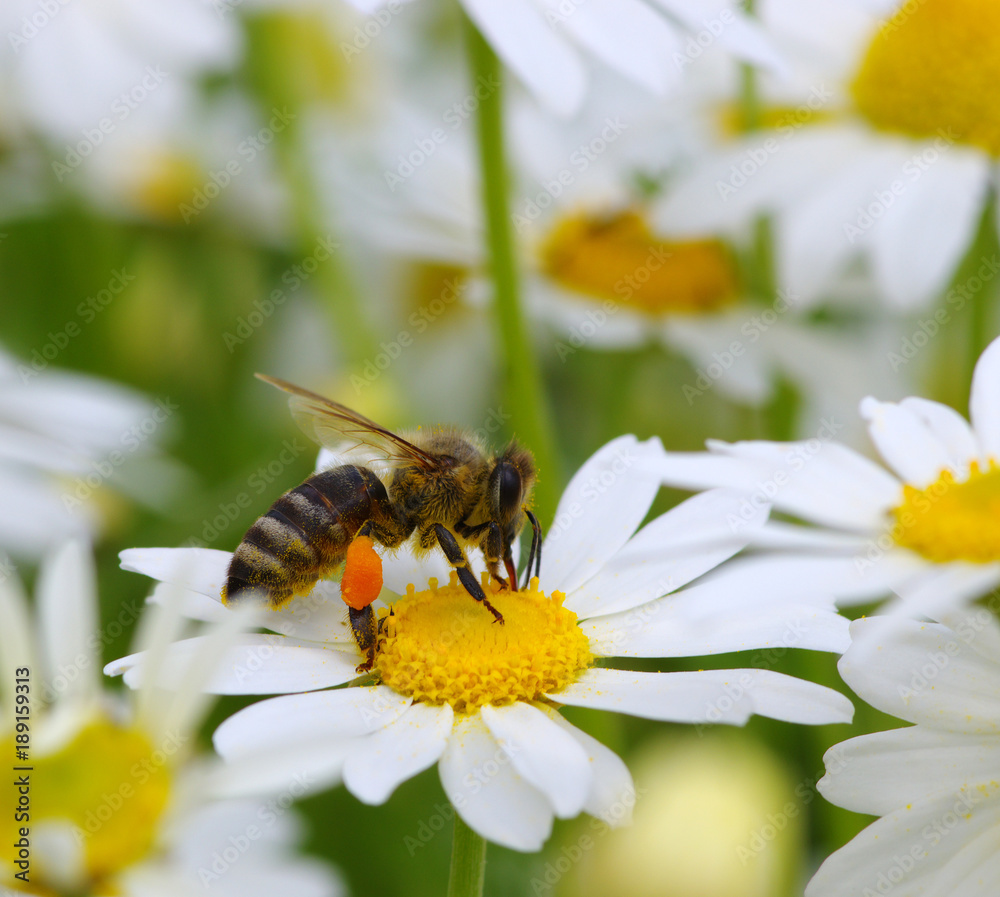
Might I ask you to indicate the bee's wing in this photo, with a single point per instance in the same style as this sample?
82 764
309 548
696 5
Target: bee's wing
330 423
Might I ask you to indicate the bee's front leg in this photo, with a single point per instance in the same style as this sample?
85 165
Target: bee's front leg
456 557
490 539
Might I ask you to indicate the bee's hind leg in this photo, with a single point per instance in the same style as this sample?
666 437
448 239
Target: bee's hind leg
456 557
365 629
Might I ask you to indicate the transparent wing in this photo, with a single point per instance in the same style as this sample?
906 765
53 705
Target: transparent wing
329 423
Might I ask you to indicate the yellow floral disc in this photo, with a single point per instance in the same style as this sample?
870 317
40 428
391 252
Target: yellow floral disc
618 258
109 784
932 71
442 647
953 520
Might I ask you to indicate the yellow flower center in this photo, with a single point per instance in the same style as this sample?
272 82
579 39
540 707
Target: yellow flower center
618 258
109 785
953 520
441 646
932 71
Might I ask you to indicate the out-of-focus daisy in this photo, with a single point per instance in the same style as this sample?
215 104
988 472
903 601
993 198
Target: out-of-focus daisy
928 529
598 273
118 800
882 146
934 784
649 43
480 700
65 437
79 70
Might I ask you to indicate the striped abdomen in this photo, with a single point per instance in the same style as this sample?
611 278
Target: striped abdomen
305 534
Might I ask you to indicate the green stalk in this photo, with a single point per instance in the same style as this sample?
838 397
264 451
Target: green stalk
522 381
468 862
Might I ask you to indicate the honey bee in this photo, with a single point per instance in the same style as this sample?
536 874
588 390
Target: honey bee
442 487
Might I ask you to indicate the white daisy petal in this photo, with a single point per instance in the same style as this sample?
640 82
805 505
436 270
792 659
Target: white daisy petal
545 755
677 547
395 753
984 401
194 605
17 644
297 770
611 796
283 721
905 442
67 610
602 506
487 791
524 41
881 772
923 673
199 569
950 428
707 696
659 629
257 665
627 36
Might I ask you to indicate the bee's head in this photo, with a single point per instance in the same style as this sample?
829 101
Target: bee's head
510 485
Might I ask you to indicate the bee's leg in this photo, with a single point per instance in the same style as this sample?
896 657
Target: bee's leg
490 539
456 557
535 554
365 629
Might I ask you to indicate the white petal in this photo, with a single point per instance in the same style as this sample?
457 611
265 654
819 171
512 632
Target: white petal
547 757
612 793
258 665
17 640
950 428
628 36
905 442
199 569
381 762
658 629
784 536
675 548
67 611
488 793
881 772
522 38
923 673
930 220
299 769
984 401
707 696
280 722
602 506
194 605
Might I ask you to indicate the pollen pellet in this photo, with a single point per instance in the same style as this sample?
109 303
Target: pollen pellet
362 579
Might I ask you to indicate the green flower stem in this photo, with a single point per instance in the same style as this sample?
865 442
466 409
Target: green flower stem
468 862
522 382
983 247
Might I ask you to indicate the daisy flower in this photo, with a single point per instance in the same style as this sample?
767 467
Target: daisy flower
650 43
481 701
117 800
926 529
882 146
933 784
63 437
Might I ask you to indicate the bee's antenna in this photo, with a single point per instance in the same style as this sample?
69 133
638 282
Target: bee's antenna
535 552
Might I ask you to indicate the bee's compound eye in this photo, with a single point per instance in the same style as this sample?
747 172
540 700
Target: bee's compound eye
507 479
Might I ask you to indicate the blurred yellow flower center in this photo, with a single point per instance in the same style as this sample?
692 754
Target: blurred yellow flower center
109 785
953 521
618 258
932 71
441 647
